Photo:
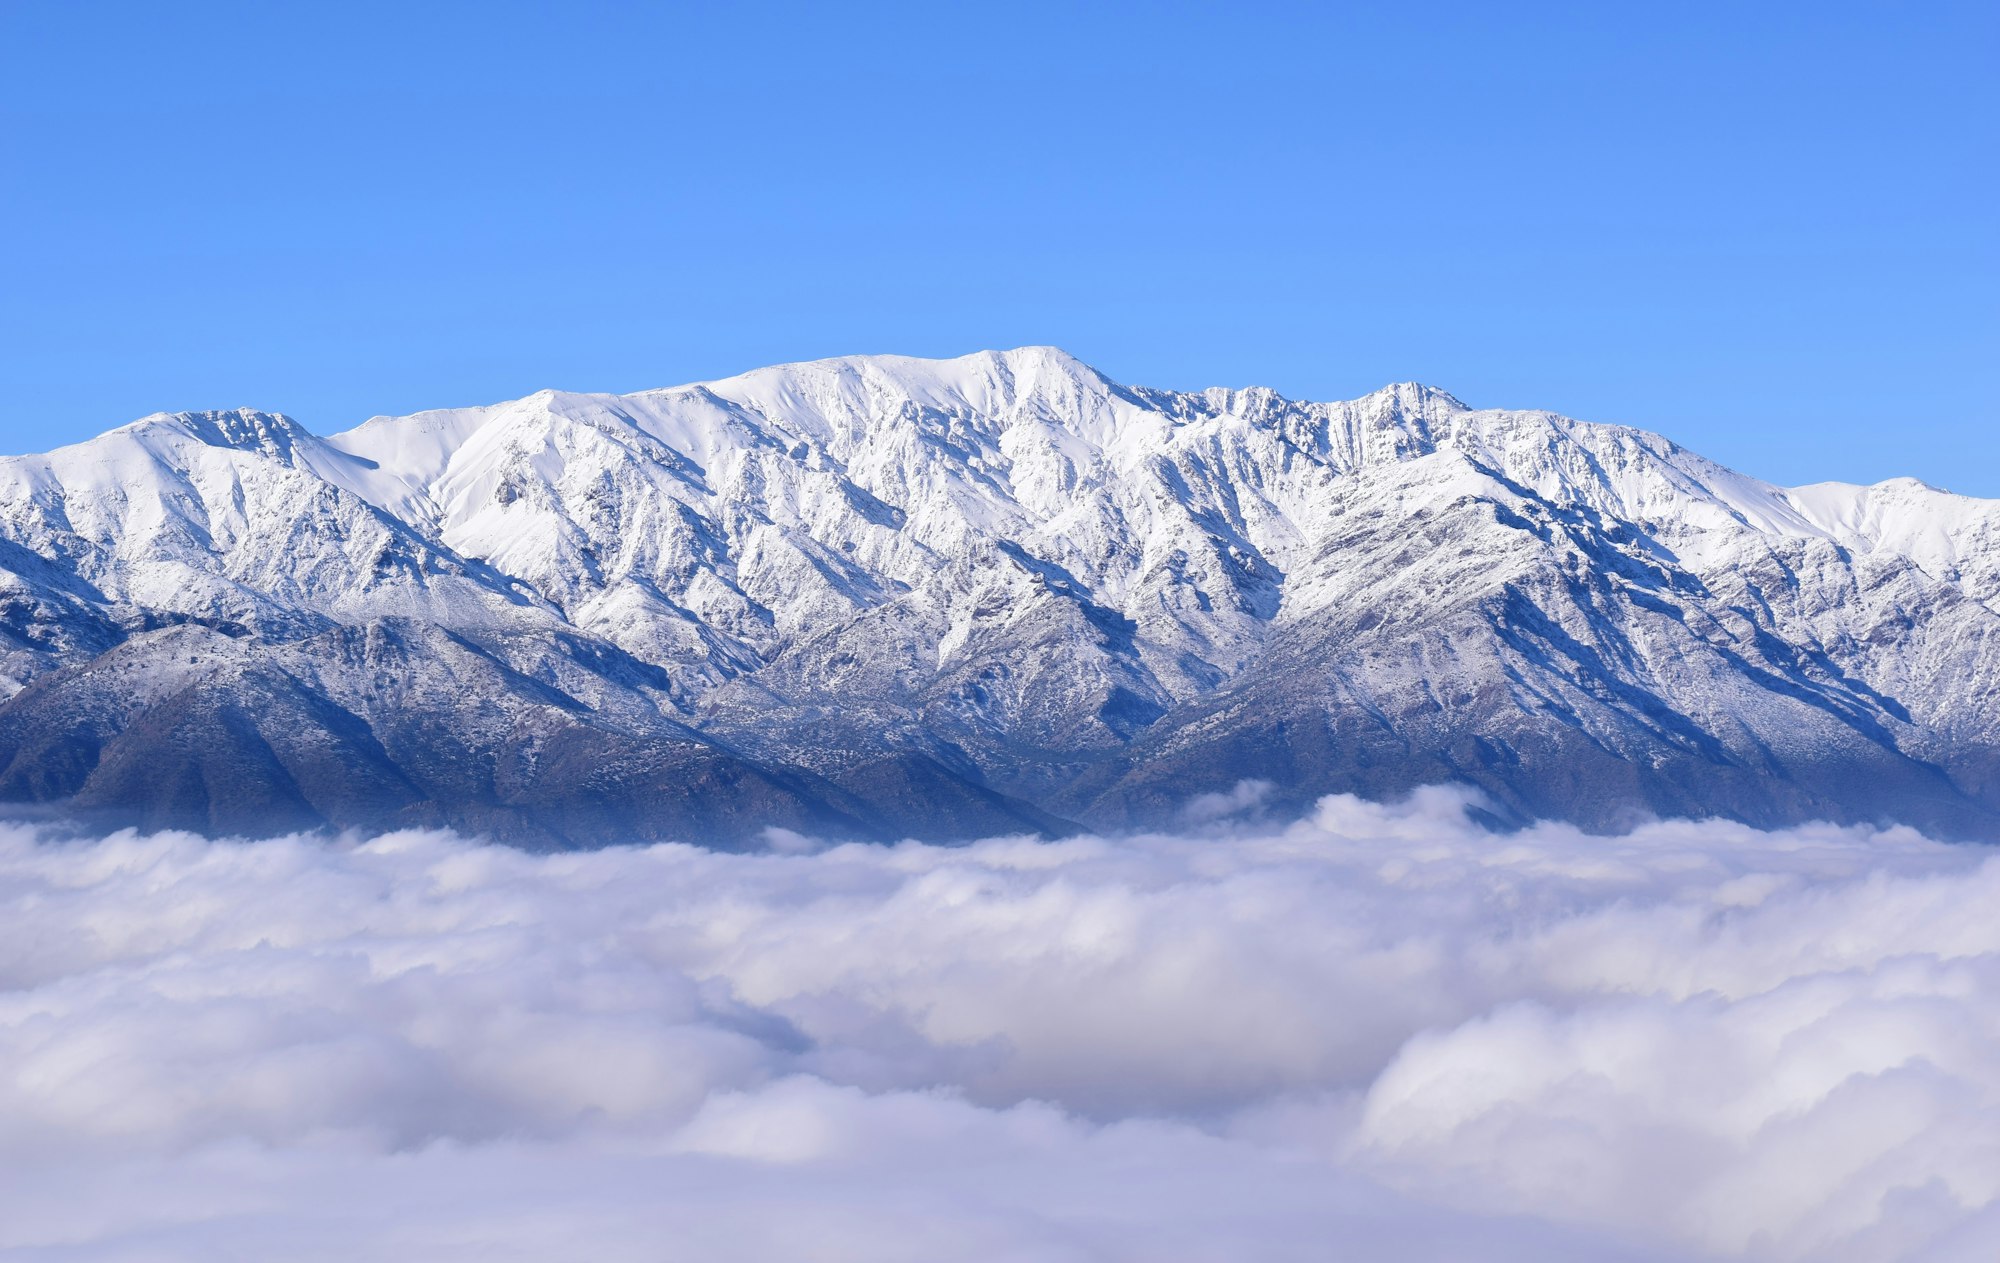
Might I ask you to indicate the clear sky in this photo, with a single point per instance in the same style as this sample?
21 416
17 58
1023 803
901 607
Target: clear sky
1768 230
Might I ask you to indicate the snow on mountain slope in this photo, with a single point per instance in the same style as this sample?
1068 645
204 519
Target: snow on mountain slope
239 517
1956 538
1010 572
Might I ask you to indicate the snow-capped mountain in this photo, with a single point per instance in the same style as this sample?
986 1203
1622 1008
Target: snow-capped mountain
888 595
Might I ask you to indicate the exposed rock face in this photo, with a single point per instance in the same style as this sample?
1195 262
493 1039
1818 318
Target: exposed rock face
883 596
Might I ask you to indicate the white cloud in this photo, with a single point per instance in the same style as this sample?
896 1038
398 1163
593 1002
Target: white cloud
1377 1032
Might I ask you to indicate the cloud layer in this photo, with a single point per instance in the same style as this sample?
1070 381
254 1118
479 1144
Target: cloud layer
1376 1033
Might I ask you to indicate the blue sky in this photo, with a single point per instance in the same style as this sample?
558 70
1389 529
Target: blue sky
1766 230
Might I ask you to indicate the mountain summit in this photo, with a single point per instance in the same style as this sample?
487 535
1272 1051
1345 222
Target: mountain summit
880 596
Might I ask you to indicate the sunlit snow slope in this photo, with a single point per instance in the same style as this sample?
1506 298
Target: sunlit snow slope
883 595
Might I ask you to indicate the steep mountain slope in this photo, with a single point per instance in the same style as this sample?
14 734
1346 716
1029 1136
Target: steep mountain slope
881 595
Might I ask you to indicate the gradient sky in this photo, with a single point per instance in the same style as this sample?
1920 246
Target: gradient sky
1767 230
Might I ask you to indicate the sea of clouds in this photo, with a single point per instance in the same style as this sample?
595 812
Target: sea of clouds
1378 1033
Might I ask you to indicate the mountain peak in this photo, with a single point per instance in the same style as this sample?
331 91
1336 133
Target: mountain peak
271 434
246 429
954 372
1414 396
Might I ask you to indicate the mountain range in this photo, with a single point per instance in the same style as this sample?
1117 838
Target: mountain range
881 597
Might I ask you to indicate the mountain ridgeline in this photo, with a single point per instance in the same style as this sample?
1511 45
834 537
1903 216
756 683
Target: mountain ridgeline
886 597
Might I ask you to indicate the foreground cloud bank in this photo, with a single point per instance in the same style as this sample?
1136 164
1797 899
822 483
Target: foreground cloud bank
1377 1033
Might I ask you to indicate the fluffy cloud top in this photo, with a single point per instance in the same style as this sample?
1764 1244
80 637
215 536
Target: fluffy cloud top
1377 1033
